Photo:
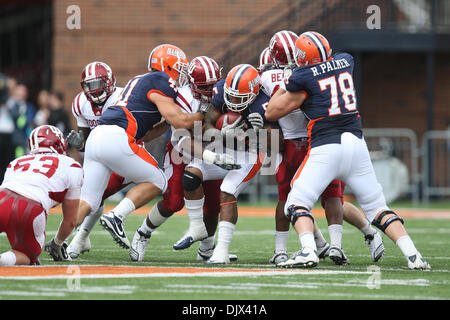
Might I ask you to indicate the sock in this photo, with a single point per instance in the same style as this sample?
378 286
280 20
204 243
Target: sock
89 222
307 240
124 208
7 259
335 231
406 245
281 238
367 229
155 216
224 236
195 209
207 243
319 239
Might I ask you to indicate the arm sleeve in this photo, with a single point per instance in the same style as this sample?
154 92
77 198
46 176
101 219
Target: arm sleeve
295 82
217 99
161 83
75 174
76 111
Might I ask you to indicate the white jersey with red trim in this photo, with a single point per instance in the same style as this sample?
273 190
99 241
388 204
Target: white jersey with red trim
188 104
293 125
86 114
48 178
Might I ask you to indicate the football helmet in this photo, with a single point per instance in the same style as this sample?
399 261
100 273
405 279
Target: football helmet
241 87
265 60
98 82
310 48
203 73
171 60
282 47
45 139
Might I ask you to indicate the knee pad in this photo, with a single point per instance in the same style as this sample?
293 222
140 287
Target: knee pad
382 227
295 212
191 181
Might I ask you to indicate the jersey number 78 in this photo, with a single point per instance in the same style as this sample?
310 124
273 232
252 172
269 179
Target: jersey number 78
346 89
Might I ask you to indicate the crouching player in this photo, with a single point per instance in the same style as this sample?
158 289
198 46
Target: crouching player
33 184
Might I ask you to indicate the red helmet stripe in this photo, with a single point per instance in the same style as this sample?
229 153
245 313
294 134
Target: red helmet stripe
206 68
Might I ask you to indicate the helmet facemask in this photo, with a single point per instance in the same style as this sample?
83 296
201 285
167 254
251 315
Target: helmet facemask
238 102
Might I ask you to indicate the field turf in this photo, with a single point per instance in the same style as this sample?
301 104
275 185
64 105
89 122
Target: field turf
177 275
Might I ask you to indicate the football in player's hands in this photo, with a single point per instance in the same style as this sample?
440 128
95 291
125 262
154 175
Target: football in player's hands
227 119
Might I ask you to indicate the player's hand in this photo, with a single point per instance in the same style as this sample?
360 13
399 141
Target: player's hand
58 253
204 107
229 129
225 161
76 139
287 71
256 120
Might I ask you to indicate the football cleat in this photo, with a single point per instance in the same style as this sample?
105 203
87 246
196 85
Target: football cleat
322 252
78 246
305 258
416 262
114 225
375 244
204 255
337 255
278 257
138 245
195 233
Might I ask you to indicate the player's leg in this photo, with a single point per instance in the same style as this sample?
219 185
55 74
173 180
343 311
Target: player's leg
233 183
194 175
133 162
332 199
362 180
283 177
24 222
314 175
81 242
372 237
172 202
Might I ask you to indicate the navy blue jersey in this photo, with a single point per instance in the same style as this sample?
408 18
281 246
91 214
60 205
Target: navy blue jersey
330 106
259 105
134 111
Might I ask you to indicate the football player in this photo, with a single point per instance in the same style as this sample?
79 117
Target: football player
295 134
202 73
323 88
112 144
240 93
33 184
99 91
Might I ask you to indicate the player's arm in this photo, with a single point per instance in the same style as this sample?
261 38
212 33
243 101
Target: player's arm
210 119
172 113
283 102
158 130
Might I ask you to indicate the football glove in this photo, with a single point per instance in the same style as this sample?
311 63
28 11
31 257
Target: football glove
229 129
76 139
224 161
58 253
204 107
256 120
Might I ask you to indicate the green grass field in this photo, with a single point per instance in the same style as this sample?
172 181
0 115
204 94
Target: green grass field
253 241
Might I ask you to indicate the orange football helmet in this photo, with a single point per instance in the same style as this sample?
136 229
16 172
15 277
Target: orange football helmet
310 48
241 87
169 59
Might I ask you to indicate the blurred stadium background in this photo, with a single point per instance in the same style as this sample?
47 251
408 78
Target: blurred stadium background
401 71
